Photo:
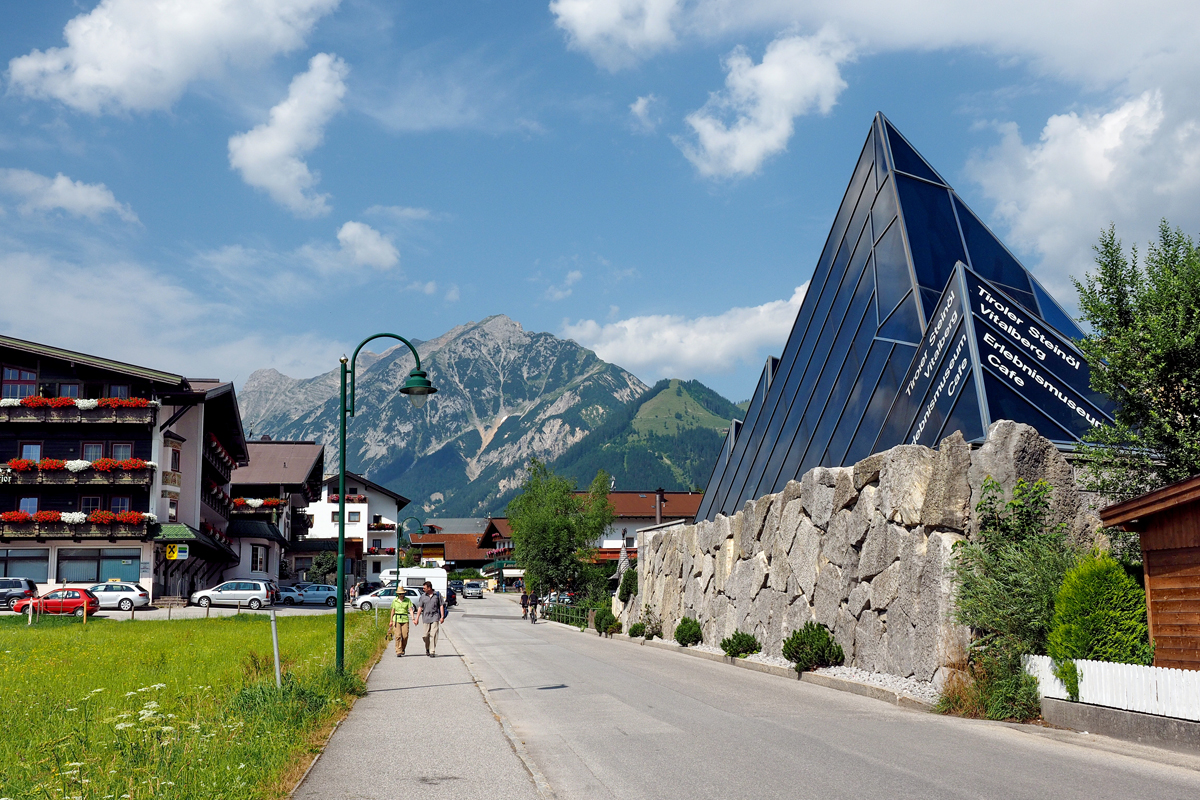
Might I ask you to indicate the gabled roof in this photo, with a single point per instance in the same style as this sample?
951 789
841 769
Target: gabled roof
255 529
458 546
132 370
1130 513
503 527
448 525
221 411
178 532
332 483
281 463
678 505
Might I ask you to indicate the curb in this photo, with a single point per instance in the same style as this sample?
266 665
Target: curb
825 681
518 746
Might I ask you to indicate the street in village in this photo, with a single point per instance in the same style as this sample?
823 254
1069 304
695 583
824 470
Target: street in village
567 714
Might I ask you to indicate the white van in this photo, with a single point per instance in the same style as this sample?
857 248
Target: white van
415 577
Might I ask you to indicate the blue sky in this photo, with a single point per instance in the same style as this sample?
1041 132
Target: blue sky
213 187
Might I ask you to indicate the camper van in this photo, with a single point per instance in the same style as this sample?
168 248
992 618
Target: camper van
415 577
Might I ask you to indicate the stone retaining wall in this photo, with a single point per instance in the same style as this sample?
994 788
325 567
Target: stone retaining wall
861 549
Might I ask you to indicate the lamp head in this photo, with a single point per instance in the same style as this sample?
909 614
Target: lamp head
418 388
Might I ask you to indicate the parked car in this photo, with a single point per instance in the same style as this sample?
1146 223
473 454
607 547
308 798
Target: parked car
451 597
382 598
473 589
118 594
14 589
289 595
301 585
319 593
60 601
253 594
456 585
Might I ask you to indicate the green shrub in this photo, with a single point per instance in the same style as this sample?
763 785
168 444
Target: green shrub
740 645
614 627
1007 581
637 629
629 585
604 618
687 632
652 622
812 647
1100 615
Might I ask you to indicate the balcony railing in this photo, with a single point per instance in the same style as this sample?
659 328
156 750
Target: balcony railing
61 530
117 477
217 500
144 416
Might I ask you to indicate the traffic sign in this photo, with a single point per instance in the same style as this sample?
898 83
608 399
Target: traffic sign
177 552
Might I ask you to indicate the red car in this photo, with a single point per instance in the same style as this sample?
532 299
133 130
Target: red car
60 601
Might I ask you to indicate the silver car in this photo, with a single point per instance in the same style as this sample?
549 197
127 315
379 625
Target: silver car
124 596
252 594
290 595
473 589
319 593
382 598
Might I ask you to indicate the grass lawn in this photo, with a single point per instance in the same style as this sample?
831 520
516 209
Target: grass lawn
180 709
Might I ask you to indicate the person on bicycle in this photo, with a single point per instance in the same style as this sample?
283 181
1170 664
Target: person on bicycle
534 601
524 604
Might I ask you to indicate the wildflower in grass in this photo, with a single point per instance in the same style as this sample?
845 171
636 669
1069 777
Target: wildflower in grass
123 725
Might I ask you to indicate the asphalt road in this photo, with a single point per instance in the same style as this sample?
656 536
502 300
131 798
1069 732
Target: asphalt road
602 718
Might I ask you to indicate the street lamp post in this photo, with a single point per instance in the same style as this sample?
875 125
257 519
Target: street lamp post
418 388
399 531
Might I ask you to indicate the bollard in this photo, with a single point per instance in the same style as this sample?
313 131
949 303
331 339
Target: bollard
30 609
275 645
168 613
376 617
239 607
85 610
207 608
132 611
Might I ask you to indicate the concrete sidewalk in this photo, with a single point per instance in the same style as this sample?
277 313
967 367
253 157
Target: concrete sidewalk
423 730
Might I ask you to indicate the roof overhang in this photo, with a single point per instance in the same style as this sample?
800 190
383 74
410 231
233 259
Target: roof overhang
121 367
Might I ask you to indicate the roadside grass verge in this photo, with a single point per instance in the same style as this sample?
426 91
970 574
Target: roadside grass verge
180 709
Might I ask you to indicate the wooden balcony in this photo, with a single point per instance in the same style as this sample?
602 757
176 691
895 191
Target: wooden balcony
117 477
61 530
141 416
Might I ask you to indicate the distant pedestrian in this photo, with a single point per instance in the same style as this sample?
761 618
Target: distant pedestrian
431 613
534 601
402 608
524 605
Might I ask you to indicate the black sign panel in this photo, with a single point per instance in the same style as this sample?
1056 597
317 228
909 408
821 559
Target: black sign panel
1036 364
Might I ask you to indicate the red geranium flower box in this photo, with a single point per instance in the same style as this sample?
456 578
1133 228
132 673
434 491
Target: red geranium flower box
129 464
16 516
105 465
122 402
22 465
35 401
61 402
52 465
47 516
101 517
130 518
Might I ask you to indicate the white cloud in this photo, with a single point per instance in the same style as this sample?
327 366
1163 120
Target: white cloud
452 294
617 33
644 118
1131 165
428 287
401 213
367 246
563 290
268 157
798 74
670 346
174 328
40 193
139 56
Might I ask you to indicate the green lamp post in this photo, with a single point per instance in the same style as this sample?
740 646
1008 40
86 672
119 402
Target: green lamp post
399 531
418 388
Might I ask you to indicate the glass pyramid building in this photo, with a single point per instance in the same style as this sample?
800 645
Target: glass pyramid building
918 322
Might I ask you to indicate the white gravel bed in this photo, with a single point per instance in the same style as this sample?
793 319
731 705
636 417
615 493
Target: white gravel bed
707 648
910 687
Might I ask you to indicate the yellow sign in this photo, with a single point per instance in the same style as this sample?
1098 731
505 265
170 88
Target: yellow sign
177 552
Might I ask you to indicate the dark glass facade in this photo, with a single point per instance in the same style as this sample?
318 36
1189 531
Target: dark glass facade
918 322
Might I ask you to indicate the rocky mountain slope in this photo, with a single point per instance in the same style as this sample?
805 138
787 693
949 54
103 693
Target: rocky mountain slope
505 395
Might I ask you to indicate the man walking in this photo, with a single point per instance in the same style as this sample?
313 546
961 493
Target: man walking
431 612
401 609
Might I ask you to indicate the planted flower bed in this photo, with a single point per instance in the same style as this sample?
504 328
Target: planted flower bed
70 409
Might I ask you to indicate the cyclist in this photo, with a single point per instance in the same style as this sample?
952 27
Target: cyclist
534 600
524 604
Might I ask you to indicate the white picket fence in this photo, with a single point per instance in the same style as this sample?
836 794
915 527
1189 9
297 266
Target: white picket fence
1149 690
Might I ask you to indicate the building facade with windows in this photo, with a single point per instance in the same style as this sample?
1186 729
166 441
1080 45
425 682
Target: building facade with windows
636 510
80 465
271 496
372 515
